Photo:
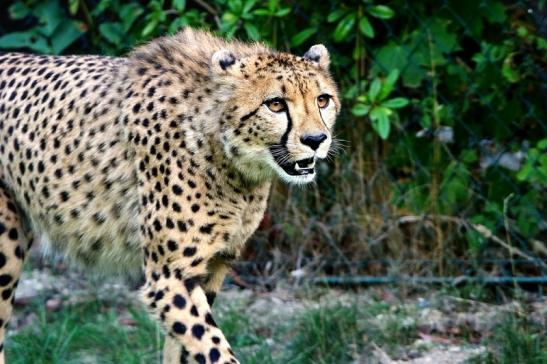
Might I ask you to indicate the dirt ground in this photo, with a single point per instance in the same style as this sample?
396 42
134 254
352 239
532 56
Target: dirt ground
439 318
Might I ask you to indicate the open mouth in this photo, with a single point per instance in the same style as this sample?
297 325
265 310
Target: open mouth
301 167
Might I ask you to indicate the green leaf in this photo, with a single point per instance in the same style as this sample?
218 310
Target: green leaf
541 43
425 122
360 109
49 14
229 19
384 127
344 27
508 71
379 112
18 11
262 12
468 156
65 34
392 77
129 13
282 12
381 11
493 11
380 121
444 41
248 6
177 24
335 15
235 6
365 27
396 103
374 89
73 6
150 27
251 30
101 7
29 39
389 83
476 241
113 32
397 56
178 5
156 6
522 31
302 36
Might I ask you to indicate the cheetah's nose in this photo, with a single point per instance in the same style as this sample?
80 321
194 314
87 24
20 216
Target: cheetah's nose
313 140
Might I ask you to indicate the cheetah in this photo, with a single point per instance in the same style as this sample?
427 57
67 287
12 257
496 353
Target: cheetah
159 164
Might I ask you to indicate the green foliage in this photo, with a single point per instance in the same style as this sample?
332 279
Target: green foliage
436 98
53 31
374 102
535 168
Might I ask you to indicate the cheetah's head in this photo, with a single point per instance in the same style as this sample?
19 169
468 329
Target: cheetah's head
279 112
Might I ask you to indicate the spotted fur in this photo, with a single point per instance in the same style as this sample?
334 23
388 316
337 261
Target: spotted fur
159 162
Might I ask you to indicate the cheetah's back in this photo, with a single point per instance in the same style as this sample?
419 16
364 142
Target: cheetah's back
63 155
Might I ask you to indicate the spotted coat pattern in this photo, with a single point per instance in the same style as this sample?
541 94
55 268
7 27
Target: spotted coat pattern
159 162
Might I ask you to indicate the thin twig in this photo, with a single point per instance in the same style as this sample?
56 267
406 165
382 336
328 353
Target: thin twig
487 233
481 229
381 355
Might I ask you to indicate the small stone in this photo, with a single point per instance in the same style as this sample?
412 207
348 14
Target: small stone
53 304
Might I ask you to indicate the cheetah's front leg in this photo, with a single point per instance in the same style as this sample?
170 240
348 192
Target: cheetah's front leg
181 305
173 351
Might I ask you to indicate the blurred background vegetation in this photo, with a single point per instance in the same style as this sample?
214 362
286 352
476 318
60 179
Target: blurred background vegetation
441 173
442 169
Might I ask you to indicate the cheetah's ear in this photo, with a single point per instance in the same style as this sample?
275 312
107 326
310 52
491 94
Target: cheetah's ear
319 55
222 62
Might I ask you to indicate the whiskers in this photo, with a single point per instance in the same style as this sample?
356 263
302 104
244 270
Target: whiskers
280 153
337 147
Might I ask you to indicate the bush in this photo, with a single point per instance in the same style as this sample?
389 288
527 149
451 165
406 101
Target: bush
442 131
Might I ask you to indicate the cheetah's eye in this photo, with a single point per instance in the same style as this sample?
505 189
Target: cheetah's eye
323 101
276 105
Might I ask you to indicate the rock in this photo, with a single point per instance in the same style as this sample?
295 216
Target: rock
53 304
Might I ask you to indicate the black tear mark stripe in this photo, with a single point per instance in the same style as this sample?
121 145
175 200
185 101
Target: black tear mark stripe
246 117
285 136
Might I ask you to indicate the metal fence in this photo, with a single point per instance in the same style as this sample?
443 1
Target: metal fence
456 193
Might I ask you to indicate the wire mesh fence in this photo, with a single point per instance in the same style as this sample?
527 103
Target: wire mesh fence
455 187
440 168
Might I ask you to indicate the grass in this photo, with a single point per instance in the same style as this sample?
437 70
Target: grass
100 332
85 333
326 335
245 337
92 333
515 341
